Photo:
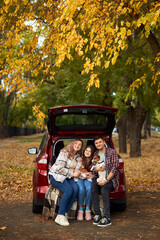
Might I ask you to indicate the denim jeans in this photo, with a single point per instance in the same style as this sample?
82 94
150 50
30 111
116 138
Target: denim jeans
69 189
84 195
104 191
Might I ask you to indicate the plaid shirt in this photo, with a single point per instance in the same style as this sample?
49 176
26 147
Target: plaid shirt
112 163
64 166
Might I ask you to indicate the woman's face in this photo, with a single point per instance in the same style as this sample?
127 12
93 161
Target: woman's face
87 152
77 146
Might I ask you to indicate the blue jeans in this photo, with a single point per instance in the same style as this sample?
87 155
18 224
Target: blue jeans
69 189
84 194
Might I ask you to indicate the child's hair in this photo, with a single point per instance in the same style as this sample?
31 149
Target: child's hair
85 163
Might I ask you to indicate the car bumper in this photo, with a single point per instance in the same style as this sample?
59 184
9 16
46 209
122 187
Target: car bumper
39 194
119 192
118 201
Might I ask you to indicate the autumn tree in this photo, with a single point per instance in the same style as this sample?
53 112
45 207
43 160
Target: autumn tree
106 30
98 31
99 26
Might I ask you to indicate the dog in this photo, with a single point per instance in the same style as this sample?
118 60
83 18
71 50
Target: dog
98 162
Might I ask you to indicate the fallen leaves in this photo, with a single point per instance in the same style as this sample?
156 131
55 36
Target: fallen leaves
3 228
16 169
142 173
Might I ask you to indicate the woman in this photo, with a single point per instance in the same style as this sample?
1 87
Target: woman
84 184
62 175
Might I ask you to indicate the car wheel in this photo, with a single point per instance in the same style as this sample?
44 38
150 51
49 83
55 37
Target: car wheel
119 207
36 208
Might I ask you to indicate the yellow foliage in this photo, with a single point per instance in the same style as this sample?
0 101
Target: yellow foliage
106 65
114 58
39 115
82 24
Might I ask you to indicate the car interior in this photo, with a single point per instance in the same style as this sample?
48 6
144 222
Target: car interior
61 143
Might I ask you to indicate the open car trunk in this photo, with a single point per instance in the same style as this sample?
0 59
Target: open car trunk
81 120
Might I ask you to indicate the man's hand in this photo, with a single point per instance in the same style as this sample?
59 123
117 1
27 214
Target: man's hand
102 182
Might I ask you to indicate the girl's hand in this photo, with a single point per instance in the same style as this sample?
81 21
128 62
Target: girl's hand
82 178
89 175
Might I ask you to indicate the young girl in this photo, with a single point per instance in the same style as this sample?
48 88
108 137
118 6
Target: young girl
84 184
62 175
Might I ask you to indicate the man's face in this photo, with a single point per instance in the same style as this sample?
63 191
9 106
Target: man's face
99 143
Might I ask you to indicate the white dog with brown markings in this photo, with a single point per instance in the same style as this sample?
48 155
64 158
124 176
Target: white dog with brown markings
98 162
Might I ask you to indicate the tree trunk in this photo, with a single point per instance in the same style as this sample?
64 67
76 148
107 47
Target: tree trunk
7 102
122 134
136 117
146 129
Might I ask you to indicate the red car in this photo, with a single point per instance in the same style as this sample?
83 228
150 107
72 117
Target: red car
66 123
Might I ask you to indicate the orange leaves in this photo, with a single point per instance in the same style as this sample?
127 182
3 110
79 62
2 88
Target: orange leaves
15 179
3 228
142 174
106 65
114 58
39 116
107 32
94 80
16 169
90 27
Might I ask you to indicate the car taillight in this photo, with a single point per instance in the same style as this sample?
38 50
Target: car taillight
121 163
42 163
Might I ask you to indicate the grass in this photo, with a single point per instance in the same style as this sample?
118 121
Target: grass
29 140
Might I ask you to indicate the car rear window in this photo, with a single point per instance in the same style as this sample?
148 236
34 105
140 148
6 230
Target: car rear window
82 121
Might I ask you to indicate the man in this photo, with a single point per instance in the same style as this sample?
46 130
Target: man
110 158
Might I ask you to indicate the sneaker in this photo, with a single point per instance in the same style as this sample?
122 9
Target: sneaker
104 222
61 220
80 215
88 215
97 219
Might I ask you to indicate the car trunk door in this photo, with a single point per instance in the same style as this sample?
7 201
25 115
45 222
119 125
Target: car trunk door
81 120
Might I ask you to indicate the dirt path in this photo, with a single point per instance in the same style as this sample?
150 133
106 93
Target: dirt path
7 141
141 220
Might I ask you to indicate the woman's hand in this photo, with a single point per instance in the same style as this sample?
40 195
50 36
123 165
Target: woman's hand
76 174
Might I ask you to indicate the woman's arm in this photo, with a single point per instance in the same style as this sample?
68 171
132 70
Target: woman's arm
60 164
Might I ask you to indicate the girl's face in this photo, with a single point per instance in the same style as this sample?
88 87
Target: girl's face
77 146
87 152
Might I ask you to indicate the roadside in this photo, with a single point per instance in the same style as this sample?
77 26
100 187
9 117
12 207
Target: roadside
141 220
6 141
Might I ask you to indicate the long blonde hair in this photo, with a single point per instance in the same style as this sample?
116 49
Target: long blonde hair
70 150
